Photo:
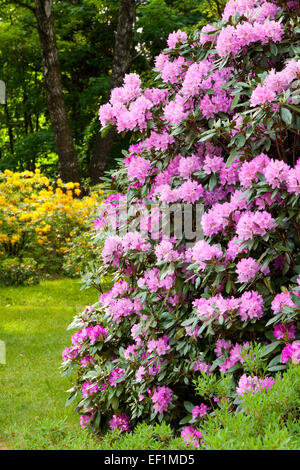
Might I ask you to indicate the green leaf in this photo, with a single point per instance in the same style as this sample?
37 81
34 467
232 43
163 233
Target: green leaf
286 116
104 131
235 101
273 320
70 399
115 403
212 182
295 299
231 158
273 49
186 420
240 141
270 347
188 406
275 361
277 368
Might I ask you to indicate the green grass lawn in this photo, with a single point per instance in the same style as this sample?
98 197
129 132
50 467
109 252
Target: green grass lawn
33 415
33 323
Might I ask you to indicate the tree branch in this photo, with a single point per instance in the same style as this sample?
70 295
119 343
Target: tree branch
21 4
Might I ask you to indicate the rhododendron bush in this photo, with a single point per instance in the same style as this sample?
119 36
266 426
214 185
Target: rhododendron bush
219 131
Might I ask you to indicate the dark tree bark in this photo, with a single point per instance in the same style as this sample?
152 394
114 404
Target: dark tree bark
121 62
68 162
28 126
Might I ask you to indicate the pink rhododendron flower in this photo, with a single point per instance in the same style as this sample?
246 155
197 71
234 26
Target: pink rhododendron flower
164 251
275 83
84 420
291 352
254 223
251 306
175 38
202 366
293 180
281 300
253 384
138 168
262 95
120 423
248 171
188 165
161 398
115 376
222 345
276 173
161 345
287 331
232 39
199 411
70 353
247 269
202 253
258 10
87 360
204 37
89 388
190 191
174 111
191 436
140 372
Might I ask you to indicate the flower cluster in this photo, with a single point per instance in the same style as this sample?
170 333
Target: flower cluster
39 219
249 305
291 352
232 39
191 436
120 423
253 384
162 398
275 83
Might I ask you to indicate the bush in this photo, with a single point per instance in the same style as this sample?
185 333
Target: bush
265 421
219 133
15 272
82 253
39 219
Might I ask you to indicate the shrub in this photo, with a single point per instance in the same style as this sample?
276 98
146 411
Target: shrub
265 421
40 219
268 420
221 130
82 253
16 272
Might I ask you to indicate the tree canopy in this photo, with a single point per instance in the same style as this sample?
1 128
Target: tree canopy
85 37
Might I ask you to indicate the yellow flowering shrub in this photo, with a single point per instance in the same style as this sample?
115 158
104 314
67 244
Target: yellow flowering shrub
40 219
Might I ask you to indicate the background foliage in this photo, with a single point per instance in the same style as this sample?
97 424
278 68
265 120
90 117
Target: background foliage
44 222
85 47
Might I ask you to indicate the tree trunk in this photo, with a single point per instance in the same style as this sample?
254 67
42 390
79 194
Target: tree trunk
68 162
121 62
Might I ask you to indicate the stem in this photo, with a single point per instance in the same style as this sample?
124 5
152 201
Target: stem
296 137
281 141
277 147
